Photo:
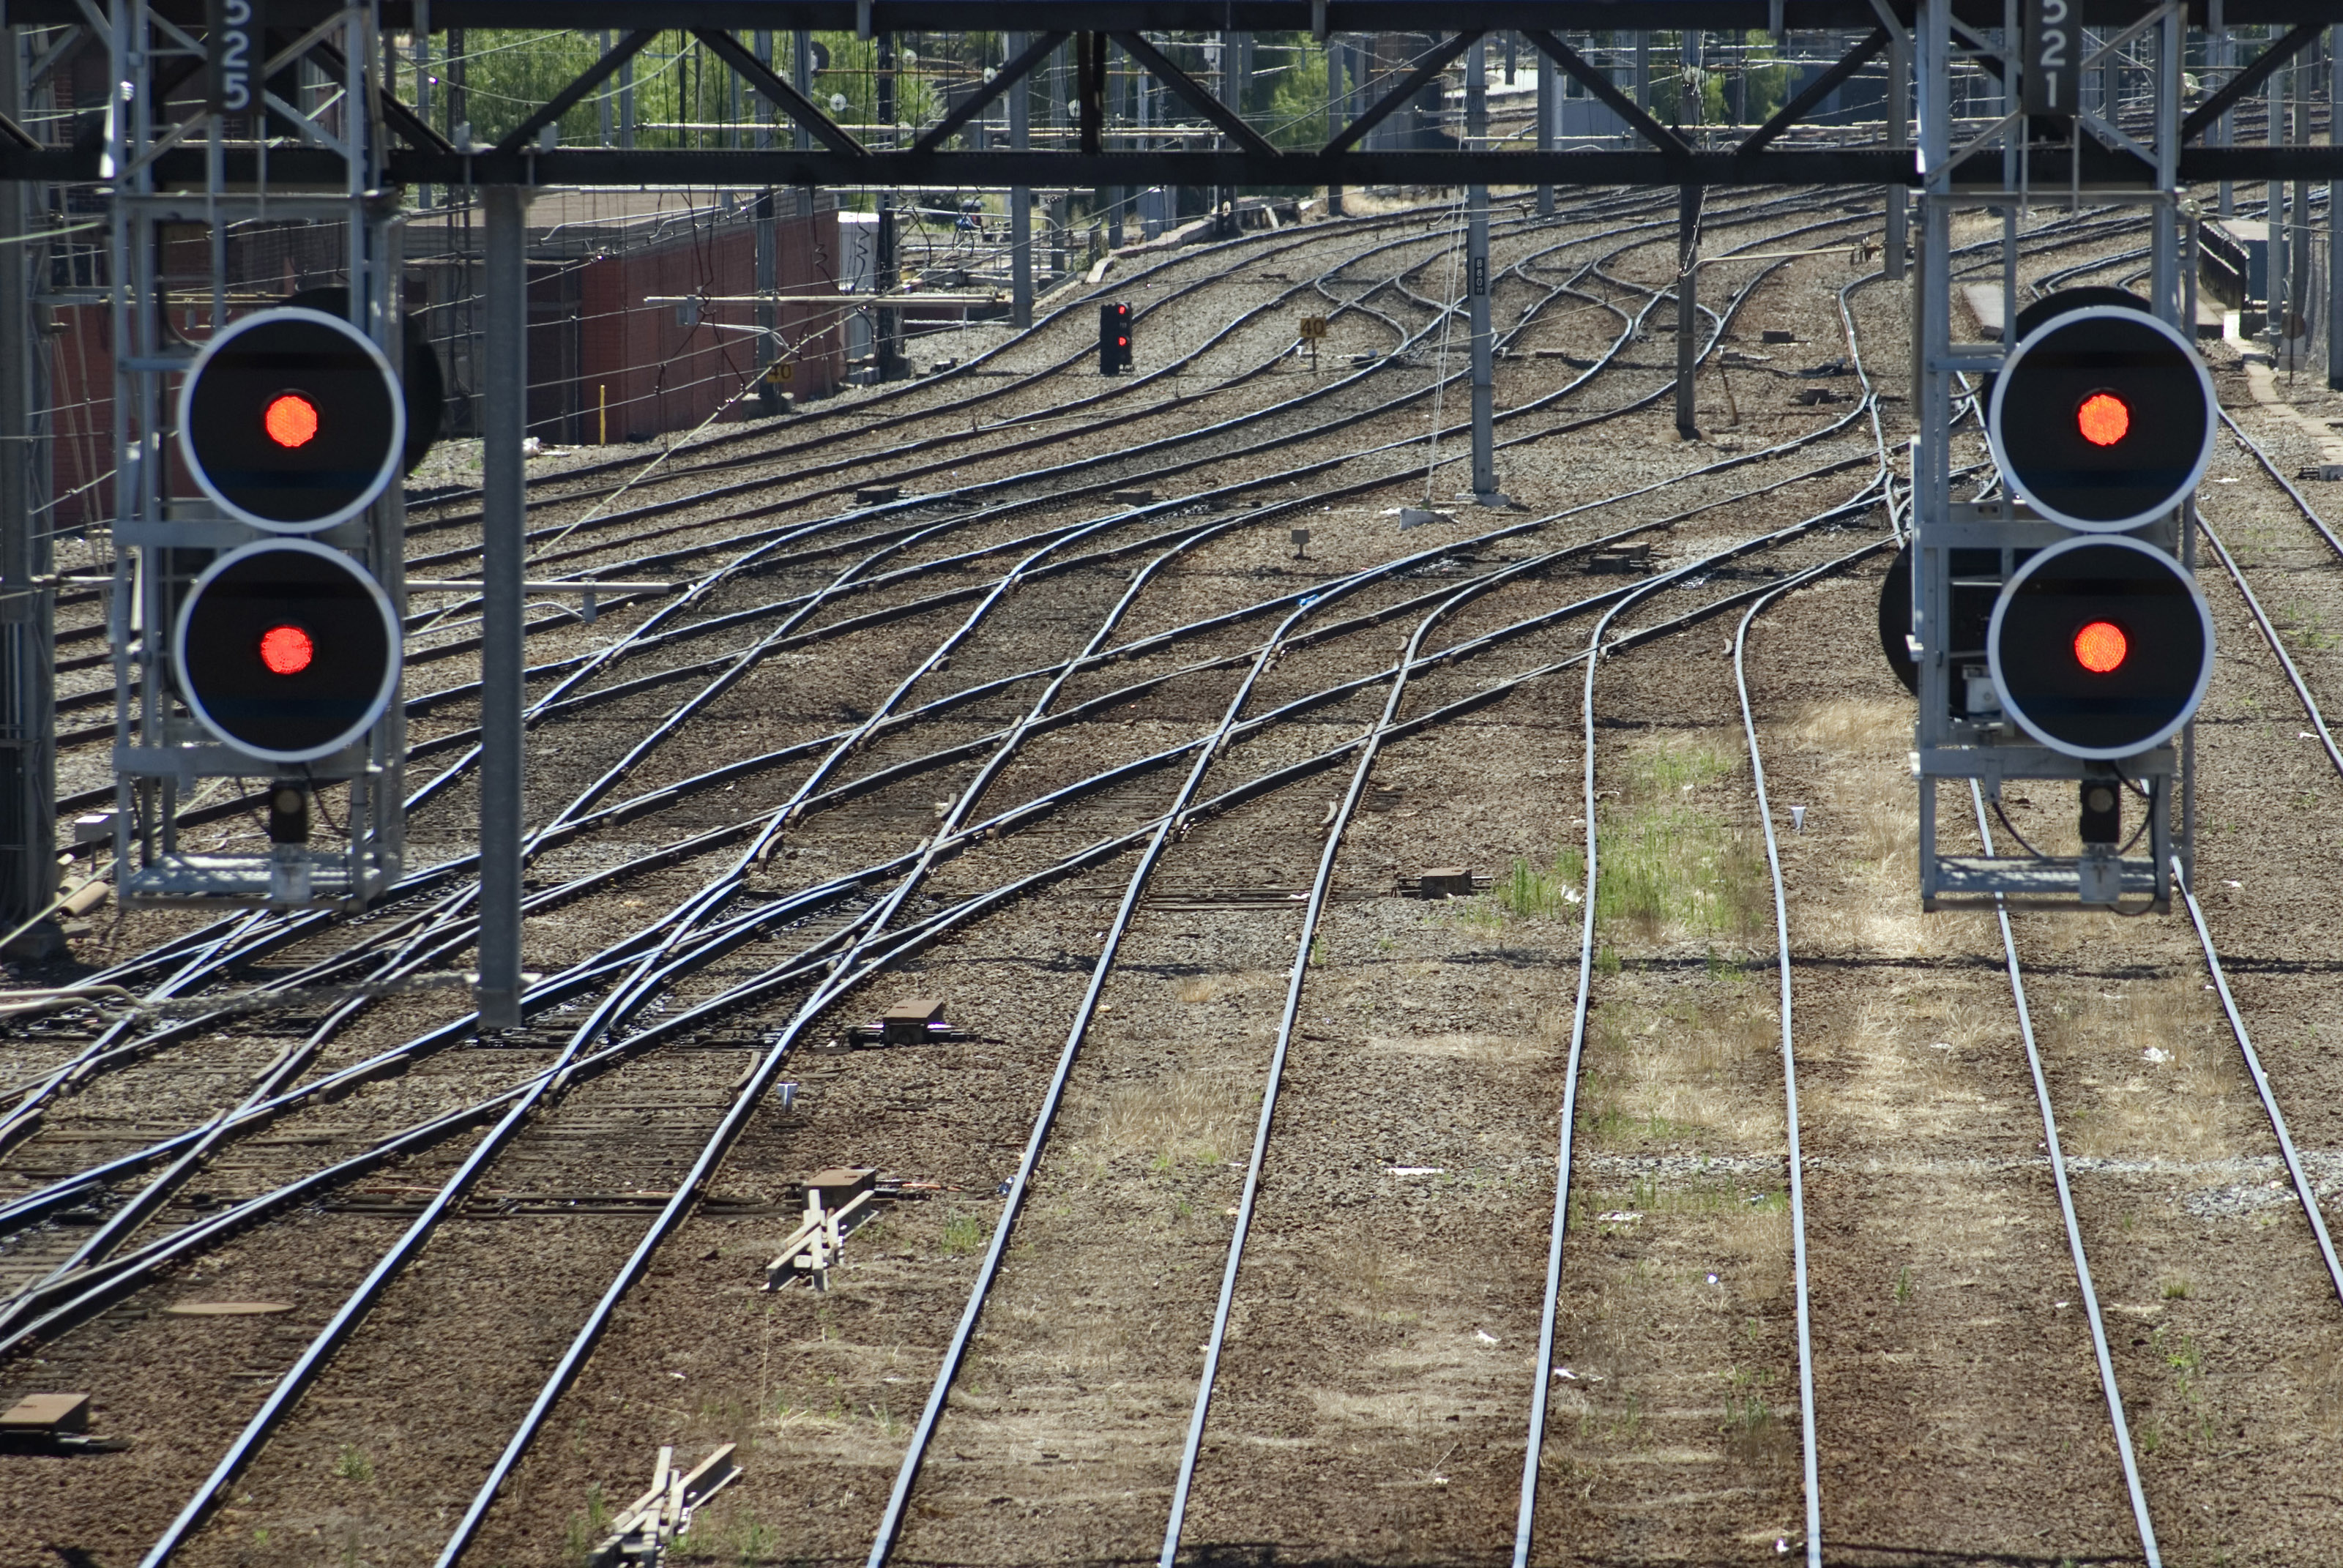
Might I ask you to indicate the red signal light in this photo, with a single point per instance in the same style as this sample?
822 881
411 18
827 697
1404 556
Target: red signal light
291 420
286 650
2102 418
2101 647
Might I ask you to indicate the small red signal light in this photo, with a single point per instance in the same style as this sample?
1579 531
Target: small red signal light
291 420
2104 419
286 650
2101 647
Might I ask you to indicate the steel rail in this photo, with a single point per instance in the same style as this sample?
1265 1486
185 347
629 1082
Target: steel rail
1297 976
1525 1516
1012 1205
835 986
117 1277
670 1216
2304 1191
70 1187
638 992
1608 205
761 1076
675 606
761 484
1500 531
111 1233
1795 1158
646 635
2087 1291
672 608
1333 232
645 638
640 637
118 1226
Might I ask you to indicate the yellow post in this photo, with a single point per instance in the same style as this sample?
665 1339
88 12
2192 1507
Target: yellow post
602 437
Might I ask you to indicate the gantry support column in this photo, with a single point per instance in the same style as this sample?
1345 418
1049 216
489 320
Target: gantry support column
1897 243
2334 215
1476 282
1687 306
1549 110
503 508
28 869
1020 202
1334 115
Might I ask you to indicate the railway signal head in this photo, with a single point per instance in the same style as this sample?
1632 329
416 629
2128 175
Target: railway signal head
286 650
1114 338
2102 418
292 420
2101 647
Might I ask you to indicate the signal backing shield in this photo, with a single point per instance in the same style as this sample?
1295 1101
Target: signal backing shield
243 611
353 450
2048 649
2051 416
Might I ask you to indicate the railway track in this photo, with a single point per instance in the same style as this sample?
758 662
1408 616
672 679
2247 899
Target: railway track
727 671
601 1138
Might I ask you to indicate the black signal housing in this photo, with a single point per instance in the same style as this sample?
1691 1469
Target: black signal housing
2102 418
352 451
1114 338
286 650
422 383
2085 689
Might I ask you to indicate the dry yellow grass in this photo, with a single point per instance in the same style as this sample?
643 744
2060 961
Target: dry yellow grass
2164 1078
1181 1116
1675 1071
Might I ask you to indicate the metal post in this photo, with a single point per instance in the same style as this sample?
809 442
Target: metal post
768 274
2277 287
2334 213
423 93
1549 110
1898 240
1643 71
28 868
627 103
768 283
2298 296
1117 112
2164 217
503 416
801 78
1687 306
1333 115
1020 202
1692 107
1476 282
886 271
602 107
2225 129
459 108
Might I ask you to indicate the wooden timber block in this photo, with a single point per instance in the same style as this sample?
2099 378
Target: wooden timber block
834 1187
39 1414
1446 882
907 1021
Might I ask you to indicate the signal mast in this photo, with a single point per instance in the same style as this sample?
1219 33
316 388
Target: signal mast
2046 614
